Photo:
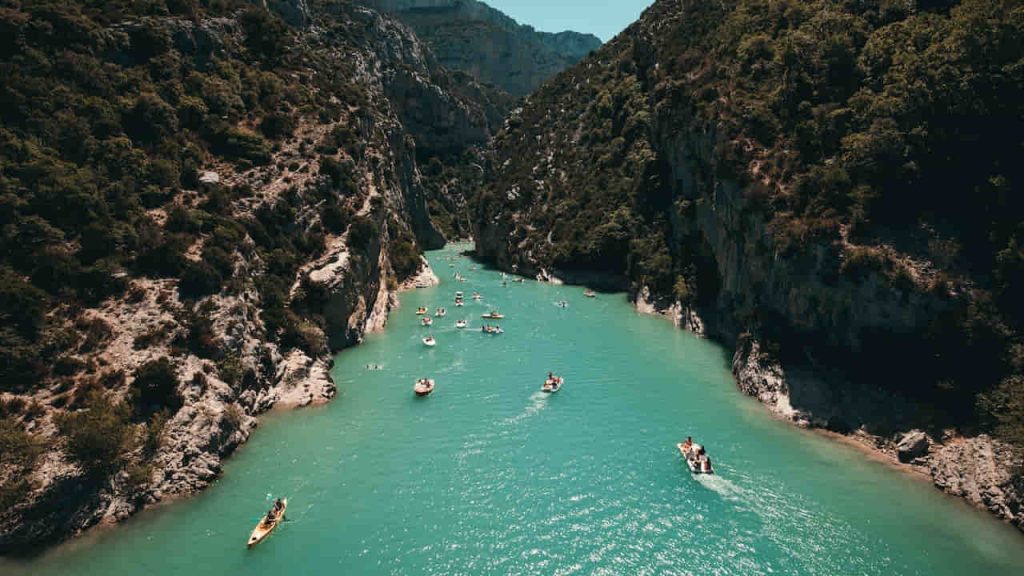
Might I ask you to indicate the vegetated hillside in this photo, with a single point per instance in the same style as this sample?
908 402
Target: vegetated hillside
198 202
835 186
471 36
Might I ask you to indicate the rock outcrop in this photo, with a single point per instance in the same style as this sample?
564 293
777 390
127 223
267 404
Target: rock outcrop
670 159
248 347
472 37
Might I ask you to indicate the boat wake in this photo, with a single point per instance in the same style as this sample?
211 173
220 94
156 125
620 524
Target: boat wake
538 400
722 486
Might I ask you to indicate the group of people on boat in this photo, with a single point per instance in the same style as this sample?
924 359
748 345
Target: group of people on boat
553 383
696 457
488 329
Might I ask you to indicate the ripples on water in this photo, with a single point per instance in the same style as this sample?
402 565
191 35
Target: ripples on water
490 476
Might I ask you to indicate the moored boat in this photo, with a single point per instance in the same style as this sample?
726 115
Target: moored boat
429 342
427 321
440 313
421 310
270 521
423 387
590 293
493 315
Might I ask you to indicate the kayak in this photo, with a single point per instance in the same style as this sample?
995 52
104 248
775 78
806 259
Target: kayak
266 526
423 387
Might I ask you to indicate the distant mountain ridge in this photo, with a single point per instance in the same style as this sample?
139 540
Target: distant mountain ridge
475 38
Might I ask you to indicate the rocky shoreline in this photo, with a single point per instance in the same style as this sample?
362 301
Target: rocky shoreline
983 471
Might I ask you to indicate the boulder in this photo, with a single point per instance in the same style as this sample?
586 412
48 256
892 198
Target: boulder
912 445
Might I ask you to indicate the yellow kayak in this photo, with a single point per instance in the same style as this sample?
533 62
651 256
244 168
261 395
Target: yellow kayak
267 524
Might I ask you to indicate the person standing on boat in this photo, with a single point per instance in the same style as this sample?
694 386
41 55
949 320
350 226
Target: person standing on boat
688 444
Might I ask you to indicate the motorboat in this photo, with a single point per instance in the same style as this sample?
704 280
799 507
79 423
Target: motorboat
270 521
476 296
552 385
492 330
427 321
590 293
696 458
429 342
421 310
440 313
459 295
461 324
493 315
423 387
459 304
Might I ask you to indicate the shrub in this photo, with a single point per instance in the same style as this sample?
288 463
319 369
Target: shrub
199 279
362 232
96 434
405 257
277 125
155 388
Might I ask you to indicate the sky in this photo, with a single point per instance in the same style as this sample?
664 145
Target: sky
603 18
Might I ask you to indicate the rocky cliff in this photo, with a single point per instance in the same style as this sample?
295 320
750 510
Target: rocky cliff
766 172
472 37
277 237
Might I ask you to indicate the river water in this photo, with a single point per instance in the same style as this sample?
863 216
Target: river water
490 476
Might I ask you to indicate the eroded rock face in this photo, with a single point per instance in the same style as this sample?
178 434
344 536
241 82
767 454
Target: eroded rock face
472 37
985 472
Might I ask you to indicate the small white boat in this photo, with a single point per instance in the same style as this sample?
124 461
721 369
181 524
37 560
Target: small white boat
552 385
267 524
476 296
493 315
421 311
423 387
461 324
459 304
429 342
458 295
492 330
590 293
427 321
697 462
441 313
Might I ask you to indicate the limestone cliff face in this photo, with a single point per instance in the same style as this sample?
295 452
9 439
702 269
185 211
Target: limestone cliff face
343 291
472 37
637 163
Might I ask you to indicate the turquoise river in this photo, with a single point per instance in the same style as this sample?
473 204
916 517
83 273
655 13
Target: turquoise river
490 476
